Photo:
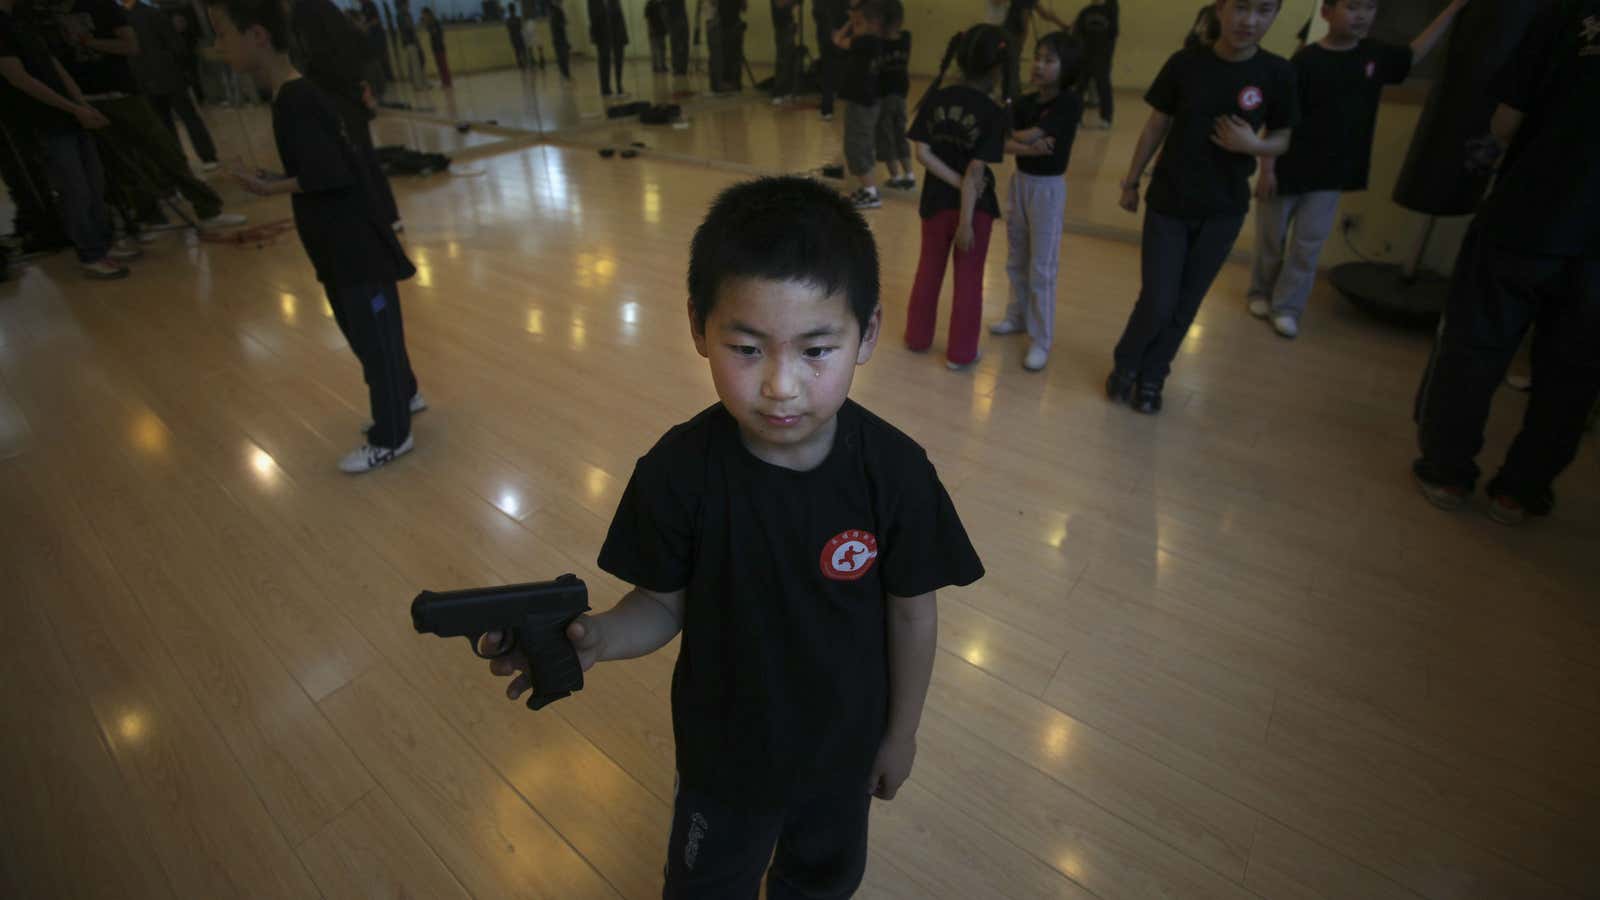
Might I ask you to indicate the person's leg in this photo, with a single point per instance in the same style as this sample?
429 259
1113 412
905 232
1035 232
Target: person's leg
1018 263
966 306
373 330
603 50
162 104
1313 222
1103 84
1047 202
1164 243
564 59
1566 386
716 851
618 57
822 850
860 126
922 313
1212 241
199 135
679 29
827 70
658 52
1272 232
22 164
1493 298
138 132
75 174
441 58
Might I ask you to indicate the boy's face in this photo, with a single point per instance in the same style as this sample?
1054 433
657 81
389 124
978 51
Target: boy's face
1245 22
783 355
244 51
1046 68
1350 18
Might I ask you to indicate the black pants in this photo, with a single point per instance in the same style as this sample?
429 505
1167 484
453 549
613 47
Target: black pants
1097 74
563 56
678 33
719 853
786 60
1179 258
829 61
144 161
369 317
733 54
166 104
611 57
519 49
1495 296
23 169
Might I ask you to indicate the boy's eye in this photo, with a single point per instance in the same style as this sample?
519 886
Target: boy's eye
818 352
743 350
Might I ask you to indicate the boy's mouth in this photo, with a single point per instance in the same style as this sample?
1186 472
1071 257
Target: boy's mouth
781 421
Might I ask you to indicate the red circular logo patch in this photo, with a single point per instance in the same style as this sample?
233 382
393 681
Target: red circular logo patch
1250 98
849 555
1372 68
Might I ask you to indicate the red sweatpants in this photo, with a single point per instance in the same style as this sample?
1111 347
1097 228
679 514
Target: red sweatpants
966 309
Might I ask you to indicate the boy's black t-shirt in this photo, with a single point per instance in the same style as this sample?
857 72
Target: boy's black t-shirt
1194 178
960 123
28 47
1339 95
782 680
95 72
894 66
335 210
1059 118
860 82
1546 200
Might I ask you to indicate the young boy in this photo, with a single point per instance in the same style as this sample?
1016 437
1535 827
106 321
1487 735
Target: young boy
1341 80
1209 104
796 540
894 85
861 41
353 250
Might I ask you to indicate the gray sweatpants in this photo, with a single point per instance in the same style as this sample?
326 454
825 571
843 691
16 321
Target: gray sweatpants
1286 265
1033 229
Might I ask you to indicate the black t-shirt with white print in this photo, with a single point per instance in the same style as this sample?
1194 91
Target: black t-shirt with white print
1339 95
782 680
1194 178
960 124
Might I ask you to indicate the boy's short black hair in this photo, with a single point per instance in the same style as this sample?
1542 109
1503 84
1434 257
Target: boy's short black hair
784 229
269 14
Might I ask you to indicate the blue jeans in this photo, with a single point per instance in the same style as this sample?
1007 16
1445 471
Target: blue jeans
75 174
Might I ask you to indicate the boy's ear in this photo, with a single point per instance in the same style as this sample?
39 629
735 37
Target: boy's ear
697 332
869 338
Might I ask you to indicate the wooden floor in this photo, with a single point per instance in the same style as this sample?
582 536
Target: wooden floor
1225 652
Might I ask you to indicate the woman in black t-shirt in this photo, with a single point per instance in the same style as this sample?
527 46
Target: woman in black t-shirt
958 129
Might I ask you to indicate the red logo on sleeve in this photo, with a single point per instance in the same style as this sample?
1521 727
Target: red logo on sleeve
849 555
1250 98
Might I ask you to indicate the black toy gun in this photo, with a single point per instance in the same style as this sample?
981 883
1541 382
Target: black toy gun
534 618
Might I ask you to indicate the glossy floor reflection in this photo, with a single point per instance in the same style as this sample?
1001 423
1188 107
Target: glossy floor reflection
1222 653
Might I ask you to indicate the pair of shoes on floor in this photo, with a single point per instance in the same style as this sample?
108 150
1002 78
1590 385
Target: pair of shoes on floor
1285 324
1503 507
367 457
1122 387
418 404
907 183
866 198
106 269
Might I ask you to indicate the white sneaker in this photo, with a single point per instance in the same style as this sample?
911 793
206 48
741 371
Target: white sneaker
223 220
418 404
209 167
1286 325
962 367
1260 308
125 249
866 199
1036 358
105 270
1005 327
367 457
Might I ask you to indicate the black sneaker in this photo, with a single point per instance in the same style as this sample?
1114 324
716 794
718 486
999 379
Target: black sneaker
1147 399
1119 387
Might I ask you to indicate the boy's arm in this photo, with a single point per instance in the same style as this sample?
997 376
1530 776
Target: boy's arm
1155 131
642 622
971 187
1267 180
12 71
1429 38
1235 135
913 637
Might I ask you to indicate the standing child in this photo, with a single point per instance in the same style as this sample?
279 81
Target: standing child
558 39
1209 104
1097 26
519 45
1341 82
861 40
894 84
352 248
1044 124
655 26
441 57
798 543
957 130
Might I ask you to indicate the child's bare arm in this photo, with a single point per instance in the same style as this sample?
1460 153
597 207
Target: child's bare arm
913 637
936 166
642 622
1424 43
1155 131
971 187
